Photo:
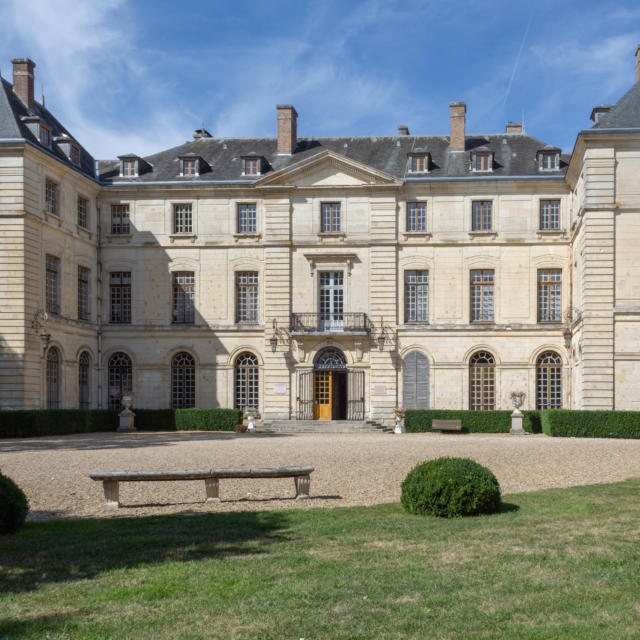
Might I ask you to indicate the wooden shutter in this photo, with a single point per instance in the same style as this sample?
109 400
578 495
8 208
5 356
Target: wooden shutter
409 379
422 381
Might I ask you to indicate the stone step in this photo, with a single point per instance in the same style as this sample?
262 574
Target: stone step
322 426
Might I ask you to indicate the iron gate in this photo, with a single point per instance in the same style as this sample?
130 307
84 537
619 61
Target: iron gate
355 395
305 396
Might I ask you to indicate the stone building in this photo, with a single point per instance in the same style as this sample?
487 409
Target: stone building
316 277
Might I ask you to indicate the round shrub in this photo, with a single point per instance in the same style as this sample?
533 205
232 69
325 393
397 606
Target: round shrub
450 487
14 505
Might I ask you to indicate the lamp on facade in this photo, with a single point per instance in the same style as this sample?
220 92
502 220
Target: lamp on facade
273 341
44 340
566 334
381 337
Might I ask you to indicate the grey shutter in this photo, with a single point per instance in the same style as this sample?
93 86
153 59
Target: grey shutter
422 381
409 371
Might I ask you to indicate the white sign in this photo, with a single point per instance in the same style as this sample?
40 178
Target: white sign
280 388
379 390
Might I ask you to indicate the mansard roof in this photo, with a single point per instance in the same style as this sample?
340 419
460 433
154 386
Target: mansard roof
624 114
12 126
515 155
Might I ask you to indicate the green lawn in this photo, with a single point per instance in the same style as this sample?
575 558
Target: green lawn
553 564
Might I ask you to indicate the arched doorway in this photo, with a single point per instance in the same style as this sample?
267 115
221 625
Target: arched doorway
330 385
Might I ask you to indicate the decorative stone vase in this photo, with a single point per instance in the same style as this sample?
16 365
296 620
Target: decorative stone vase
517 398
251 422
126 416
399 428
127 401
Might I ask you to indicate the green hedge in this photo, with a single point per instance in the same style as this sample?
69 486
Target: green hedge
208 419
419 420
591 424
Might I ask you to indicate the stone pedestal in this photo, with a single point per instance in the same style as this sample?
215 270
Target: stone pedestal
251 423
516 423
126 421
399 428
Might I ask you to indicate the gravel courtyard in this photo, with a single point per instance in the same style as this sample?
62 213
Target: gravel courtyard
351 469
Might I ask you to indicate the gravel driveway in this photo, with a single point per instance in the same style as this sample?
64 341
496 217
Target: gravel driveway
351 469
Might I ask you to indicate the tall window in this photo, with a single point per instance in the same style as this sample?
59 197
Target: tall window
482 162
419 164
416 296
549 381
52 284
53 378
549 214
416 216
120 219
120 297
482 392
183 381
246 296
84 380
84 277
549 295
251 166
120 378
184 285
482 215
51 197
83 212
330 222
247 381
482 295
182 218
247 218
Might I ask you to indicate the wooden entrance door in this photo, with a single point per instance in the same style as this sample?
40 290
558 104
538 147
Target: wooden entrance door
322 395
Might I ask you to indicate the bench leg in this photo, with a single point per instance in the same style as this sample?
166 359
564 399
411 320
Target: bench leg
111 494
303 485
212 487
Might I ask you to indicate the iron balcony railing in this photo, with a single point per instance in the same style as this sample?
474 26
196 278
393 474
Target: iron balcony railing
330 323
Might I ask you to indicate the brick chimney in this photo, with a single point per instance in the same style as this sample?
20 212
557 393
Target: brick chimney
403 130
457 111
287 129
513 127
638 64
23 80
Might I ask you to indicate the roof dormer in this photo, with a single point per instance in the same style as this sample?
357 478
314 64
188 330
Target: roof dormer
69 147
132 166
40 130
252 165
191 165
419 162
548 159
482 161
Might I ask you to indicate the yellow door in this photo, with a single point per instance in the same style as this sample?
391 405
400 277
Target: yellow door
322 395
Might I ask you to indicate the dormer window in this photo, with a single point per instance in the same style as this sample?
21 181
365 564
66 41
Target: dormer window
419 163
129 168
251 166
75 155
190 167
45 136
482 162
548 160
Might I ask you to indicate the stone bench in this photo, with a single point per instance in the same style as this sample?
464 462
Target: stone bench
111 479
446 425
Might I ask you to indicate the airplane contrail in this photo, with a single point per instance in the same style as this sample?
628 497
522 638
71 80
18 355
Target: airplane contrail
515 66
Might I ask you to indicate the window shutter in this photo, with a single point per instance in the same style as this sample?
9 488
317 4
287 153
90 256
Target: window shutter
422 381
409 391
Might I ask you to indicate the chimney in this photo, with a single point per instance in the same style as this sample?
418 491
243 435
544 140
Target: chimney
403 130
638 64
23 80
599 111
513 127
457 111
287 129
201 133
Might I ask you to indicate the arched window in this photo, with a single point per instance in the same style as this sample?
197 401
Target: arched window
84 380
53 378
183 381
120 378
247 381
482 381
415 381
330 358
549 381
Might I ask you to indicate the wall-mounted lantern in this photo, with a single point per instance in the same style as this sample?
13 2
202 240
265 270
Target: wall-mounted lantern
566 334
44 340
273 341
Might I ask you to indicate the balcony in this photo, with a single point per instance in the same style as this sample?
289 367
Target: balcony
353 323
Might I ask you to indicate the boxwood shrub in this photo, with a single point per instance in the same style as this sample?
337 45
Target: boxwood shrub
591 424
208 419
14 505
419 420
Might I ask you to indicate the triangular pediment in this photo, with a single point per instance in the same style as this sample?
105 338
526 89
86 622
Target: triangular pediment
327 169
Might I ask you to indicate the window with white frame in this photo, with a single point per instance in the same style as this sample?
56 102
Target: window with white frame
84 381
52 284
416 216
548 160
246 296
482 162
120 223
190 167
129 168
51 197
419 163
549 295
183 295
330 217
482 382
120 297
549 381
251 166
84 301
247 222
247 381
53 378
182 218
549 215
120 376
482 215
482 282
416 296
83 212
183 381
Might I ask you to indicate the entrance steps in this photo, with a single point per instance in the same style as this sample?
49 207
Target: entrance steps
323 426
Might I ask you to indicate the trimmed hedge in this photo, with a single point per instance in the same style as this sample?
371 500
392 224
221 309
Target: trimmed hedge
154 419
419 420
591 424
208 419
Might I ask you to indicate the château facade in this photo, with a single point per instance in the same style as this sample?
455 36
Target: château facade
317 277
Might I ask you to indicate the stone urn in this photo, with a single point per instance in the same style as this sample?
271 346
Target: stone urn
126 416
399 428
517 399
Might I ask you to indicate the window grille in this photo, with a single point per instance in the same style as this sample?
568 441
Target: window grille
482 215
549 214
330 358
51 197
418 164
120 297
482 391
482 295
416 296
53 379
416 216
247 381
251 166
330 222
84 381
549 381
549 295
189 167
482 162
83 212
183 381
247 218
182 218
120 219
120 375
184 285
52 284
84 278
247 296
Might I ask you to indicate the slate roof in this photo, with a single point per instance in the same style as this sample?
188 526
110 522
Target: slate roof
514 155
12 109
624 114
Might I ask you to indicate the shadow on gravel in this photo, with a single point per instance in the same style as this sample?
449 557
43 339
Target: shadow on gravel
64 550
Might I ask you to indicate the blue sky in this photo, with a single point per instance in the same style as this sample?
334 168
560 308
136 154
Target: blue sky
141 76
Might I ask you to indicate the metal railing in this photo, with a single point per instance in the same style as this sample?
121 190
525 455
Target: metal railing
330 323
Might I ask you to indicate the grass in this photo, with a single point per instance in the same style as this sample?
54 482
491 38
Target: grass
559 563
